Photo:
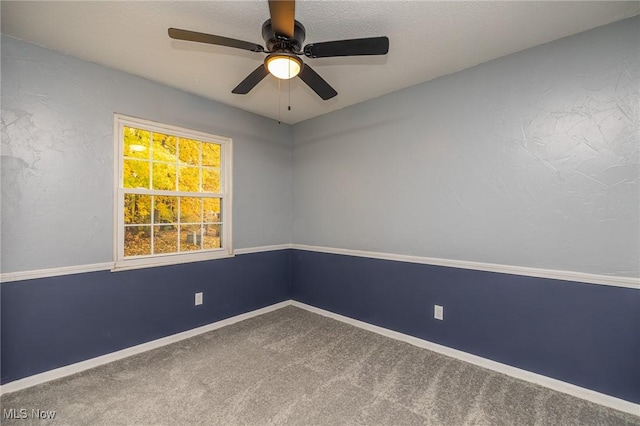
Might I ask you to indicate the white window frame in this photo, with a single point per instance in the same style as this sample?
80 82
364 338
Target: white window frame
226 249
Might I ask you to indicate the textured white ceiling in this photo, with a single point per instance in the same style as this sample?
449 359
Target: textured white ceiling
428 39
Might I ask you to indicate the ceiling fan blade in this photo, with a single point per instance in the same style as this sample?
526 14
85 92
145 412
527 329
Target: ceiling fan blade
282 16
317 83
354 47
251 81
213 39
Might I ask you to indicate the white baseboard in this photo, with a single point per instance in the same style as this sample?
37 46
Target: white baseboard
560 386
68 370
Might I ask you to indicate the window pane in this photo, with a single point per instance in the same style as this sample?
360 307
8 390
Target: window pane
212 236
137 208
164 176
172 185
164 148
137 240
189 152
136 174
190 238
210 154
165 209
211 180
136 142
190 209
189 179
212 211
165 239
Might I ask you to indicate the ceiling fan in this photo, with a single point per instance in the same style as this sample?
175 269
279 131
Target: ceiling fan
284 36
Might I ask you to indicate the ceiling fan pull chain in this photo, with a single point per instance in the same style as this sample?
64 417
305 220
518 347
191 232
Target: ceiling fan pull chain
289 107
279 98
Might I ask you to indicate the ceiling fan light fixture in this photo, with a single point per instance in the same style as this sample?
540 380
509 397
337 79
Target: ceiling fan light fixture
283 65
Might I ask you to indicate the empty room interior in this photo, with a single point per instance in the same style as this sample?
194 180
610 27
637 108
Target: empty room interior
429 215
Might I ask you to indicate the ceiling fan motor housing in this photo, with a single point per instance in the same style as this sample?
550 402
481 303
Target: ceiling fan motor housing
282 43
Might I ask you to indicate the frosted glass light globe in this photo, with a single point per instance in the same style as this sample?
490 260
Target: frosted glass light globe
282 66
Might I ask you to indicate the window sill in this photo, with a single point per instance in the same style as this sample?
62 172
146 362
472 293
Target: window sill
151 262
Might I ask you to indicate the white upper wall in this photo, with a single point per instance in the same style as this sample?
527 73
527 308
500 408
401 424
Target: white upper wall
529 160
57 157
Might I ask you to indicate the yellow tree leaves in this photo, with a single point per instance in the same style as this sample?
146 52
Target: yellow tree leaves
195 164
137 209
162 162
190 152
166 209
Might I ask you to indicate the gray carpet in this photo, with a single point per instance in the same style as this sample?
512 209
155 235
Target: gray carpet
293 367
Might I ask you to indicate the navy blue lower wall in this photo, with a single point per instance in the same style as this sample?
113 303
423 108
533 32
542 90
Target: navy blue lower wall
588 335
584 334
52 322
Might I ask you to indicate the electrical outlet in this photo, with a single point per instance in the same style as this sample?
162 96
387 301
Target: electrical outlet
199 298
438 312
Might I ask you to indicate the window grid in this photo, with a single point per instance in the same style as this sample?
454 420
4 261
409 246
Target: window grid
220 234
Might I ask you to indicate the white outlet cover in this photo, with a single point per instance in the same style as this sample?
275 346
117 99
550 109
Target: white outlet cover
198 299
438 312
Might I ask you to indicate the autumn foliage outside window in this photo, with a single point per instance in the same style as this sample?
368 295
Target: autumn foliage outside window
173 192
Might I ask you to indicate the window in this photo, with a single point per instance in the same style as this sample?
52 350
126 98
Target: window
173 194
